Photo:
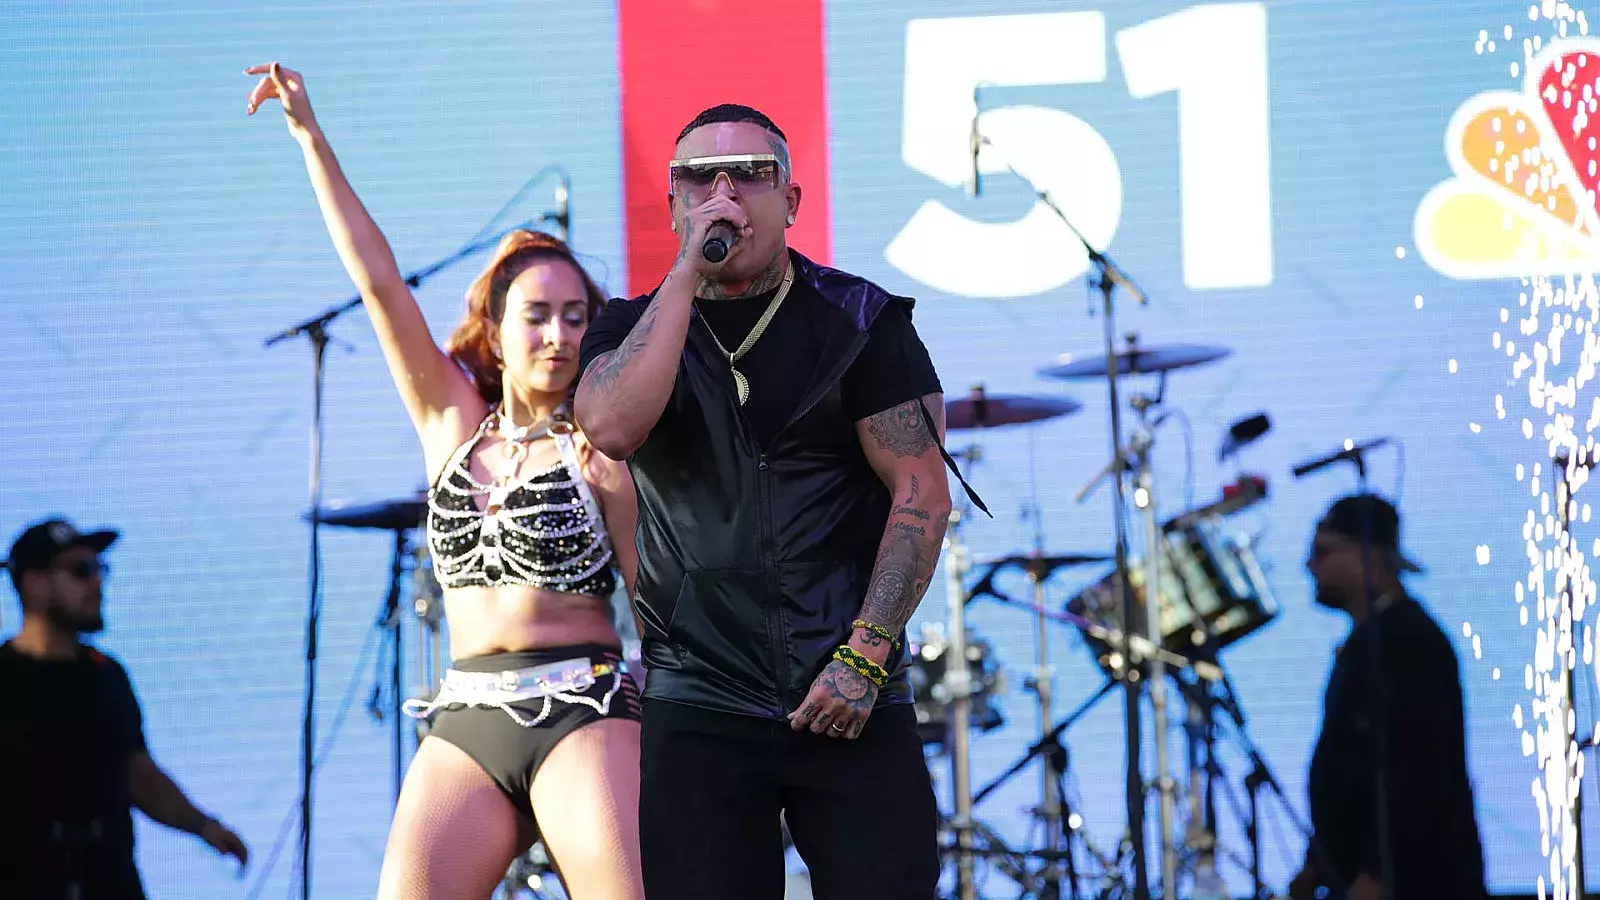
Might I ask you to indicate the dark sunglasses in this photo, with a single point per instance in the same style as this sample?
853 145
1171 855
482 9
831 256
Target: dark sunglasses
84 569
757 171
1321 550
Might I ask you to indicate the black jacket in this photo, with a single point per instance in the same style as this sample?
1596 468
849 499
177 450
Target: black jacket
753 560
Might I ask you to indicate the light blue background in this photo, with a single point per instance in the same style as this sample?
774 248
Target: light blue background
151 235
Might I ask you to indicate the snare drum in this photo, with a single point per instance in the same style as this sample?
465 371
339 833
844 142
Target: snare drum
1213 591
928 660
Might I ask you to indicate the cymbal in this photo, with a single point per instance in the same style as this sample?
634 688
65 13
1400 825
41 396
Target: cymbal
1139 360
385 515
1044 564
982 410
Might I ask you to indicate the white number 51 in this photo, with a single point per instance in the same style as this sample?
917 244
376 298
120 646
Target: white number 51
1213 55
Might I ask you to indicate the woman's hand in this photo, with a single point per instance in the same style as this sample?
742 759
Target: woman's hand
289 87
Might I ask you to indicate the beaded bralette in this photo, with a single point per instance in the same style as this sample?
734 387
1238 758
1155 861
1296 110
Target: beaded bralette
544 530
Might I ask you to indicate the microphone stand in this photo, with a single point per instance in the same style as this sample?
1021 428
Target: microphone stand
1108 276
1575 745
315 330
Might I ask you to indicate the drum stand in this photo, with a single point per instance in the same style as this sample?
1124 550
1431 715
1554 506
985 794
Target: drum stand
958 683
391 622
1135 461
427 602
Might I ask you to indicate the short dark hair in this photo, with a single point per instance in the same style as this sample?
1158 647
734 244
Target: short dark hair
732 112
737 112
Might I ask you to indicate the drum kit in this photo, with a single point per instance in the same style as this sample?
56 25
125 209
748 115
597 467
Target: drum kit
1211 593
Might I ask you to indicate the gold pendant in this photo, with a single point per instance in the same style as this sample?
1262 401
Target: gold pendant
741 385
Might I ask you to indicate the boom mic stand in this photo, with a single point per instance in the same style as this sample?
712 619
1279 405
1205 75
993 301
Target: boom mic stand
315 331
1107 278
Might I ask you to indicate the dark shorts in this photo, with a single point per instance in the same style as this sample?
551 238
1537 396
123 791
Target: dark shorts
511 753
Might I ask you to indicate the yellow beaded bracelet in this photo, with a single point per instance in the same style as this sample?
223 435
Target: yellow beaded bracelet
866 668
879 630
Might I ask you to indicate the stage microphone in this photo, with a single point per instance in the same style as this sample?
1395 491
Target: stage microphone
1242 433
974 144
718 239
563 213
1353 453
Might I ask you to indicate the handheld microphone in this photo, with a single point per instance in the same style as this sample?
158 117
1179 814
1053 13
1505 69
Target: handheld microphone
1353 453
974 145
718 239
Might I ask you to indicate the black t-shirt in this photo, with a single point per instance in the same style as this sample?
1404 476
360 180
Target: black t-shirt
1433 825
68 732
892 368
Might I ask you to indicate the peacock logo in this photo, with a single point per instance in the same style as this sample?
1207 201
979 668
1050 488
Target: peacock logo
1523 199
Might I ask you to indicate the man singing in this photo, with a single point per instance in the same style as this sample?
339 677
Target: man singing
73 759
783 423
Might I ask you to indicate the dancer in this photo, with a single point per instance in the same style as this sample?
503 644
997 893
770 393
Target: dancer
535 729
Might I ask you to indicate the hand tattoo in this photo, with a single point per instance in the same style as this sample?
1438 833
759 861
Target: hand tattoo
845 683
901 431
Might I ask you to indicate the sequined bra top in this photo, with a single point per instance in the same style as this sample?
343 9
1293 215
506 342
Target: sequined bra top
543 530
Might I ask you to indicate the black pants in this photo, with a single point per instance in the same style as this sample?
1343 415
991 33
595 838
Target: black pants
861 813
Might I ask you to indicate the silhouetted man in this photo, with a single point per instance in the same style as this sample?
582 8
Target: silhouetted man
73 760
1433 831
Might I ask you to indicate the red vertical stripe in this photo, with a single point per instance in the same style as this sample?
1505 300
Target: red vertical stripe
679 57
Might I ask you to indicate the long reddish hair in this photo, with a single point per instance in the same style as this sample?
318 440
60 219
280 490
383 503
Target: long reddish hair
471 345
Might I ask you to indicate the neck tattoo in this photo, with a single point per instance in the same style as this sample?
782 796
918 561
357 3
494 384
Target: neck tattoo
768 280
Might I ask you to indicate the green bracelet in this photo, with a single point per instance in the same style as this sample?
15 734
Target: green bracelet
866 668
879 630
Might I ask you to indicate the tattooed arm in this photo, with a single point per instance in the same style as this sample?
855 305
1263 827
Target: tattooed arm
906 457
622 393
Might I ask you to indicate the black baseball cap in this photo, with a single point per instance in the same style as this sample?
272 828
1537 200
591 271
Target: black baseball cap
1348 518
38 547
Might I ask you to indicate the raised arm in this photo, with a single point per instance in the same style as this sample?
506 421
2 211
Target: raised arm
623 392
430 384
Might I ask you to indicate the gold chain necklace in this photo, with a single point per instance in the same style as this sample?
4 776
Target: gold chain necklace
740 383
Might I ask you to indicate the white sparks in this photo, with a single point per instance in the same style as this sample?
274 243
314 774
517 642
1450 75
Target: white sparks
1400 252
1475 427
1453 367
1483 554
1418 301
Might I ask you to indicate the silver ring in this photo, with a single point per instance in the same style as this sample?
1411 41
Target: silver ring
836 727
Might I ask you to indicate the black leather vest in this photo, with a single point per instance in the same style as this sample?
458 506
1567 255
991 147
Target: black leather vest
754 560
